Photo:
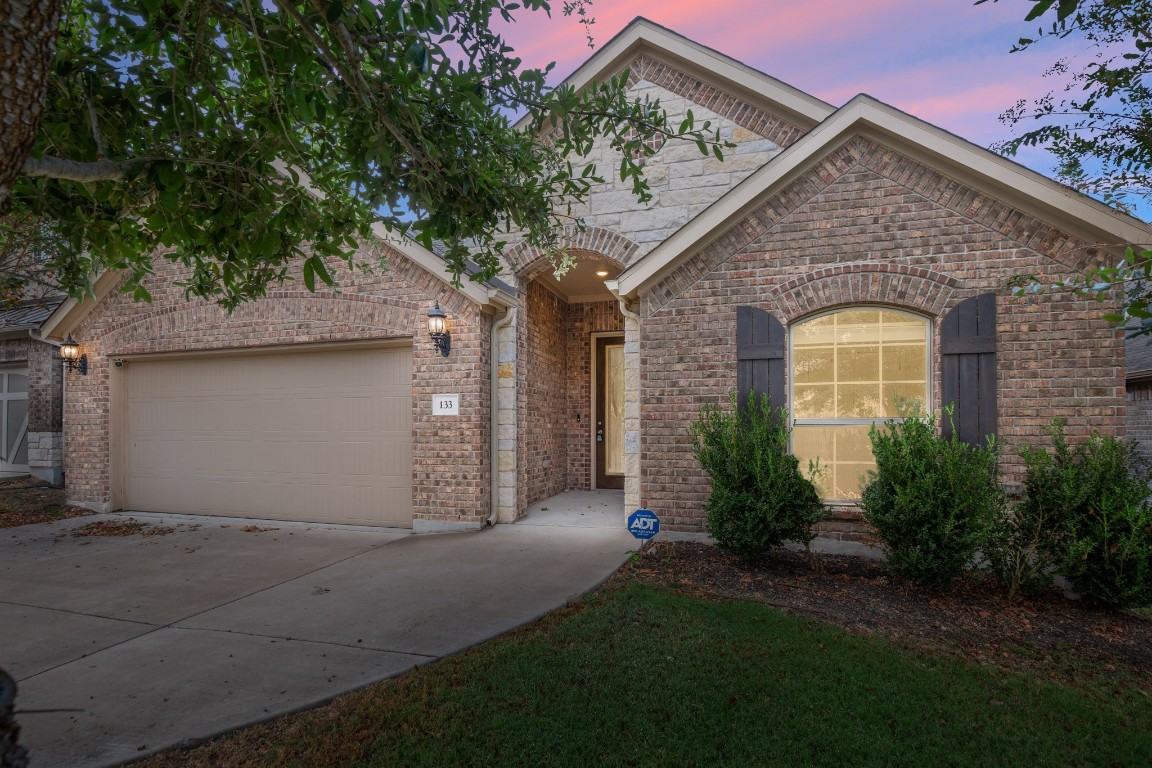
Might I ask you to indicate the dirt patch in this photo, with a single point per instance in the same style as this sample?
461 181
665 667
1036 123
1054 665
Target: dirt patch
1049 634
28 501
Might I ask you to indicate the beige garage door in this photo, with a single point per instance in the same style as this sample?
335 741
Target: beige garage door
321 436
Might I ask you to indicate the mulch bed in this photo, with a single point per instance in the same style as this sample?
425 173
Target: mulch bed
27 501
1050 635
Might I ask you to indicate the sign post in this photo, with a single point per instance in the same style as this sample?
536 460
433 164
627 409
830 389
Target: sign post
643 524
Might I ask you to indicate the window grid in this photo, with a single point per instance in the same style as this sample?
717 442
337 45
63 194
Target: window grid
841 472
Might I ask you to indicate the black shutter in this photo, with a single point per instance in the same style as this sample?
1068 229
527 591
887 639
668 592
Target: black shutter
968 359
760 345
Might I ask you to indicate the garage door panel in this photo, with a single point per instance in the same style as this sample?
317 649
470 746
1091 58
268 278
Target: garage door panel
317 436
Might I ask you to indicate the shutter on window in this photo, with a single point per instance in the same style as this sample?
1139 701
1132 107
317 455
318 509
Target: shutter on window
760 345
968 358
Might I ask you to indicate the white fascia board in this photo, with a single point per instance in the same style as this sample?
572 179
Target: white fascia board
1036 194
71 312
644 36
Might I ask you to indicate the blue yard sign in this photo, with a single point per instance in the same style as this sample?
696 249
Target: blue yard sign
643 524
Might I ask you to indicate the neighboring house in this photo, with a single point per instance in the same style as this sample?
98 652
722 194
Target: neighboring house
841 260
30 382
1138 389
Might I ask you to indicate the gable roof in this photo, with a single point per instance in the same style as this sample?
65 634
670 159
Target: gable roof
1003 179
643 36
29 314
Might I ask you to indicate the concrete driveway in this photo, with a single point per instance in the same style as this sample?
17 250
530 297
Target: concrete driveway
150 641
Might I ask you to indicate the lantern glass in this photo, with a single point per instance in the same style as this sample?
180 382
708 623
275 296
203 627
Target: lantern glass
70 350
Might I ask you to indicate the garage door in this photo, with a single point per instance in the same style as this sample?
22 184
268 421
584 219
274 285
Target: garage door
320 436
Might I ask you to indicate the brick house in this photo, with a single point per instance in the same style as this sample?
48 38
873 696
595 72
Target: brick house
841 260
30 393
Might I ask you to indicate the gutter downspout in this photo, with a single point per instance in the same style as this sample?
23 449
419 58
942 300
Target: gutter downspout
498 324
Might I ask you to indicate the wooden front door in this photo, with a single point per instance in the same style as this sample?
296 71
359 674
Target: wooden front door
608 420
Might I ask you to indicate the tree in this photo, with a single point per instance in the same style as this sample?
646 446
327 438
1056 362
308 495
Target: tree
240 137
1099 128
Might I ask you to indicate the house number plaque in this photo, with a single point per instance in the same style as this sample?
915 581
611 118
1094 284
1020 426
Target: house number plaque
445 405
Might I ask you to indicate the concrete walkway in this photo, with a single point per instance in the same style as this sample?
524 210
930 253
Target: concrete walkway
148 642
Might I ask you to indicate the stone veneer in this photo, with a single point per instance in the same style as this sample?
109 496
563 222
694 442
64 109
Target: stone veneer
45 380
868 225
451 456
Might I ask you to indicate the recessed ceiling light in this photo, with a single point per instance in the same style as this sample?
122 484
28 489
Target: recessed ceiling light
602 273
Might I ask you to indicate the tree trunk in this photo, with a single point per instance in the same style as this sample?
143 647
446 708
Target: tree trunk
28 31
11 755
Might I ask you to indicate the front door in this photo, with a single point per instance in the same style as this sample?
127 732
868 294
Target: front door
13 419
608 420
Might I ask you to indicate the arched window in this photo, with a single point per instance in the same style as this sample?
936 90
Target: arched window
851 368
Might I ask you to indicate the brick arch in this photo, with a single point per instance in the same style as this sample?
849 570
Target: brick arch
528 261
282 318
915 288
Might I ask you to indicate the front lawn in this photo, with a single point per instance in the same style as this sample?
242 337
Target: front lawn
640 674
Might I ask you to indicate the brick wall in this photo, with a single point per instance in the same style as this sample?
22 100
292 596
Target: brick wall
543 397
1139 418
451 460
870 226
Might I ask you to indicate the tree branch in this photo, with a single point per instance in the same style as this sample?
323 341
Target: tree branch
74 170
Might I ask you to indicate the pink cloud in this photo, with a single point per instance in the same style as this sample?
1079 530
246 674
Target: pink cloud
945 62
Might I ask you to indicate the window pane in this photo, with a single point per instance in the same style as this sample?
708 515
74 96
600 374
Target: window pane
858 364
817 331
904 362
814 401
814 364
859 401
904 399
844 455
17 382
614 410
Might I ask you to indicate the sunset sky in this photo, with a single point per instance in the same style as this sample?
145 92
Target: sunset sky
946 61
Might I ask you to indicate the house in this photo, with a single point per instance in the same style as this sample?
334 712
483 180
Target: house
1138 393
843 260
30 392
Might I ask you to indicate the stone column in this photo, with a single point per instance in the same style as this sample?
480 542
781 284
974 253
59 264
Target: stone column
632 498
504 344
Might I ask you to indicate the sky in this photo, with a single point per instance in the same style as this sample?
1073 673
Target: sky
944 61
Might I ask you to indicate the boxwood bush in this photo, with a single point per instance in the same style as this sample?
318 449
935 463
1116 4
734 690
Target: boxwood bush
933 500
760 497
1096 495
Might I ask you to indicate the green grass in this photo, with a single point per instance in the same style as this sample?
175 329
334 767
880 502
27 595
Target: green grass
645 677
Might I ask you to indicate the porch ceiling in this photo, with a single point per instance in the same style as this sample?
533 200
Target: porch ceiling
581 283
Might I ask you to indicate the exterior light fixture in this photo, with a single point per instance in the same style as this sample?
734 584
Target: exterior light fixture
70 354
438 329
602 273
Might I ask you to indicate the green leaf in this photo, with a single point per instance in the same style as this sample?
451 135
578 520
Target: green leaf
309 275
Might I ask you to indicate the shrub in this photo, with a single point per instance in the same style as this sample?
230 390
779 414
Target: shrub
1096 496
759 496
933 501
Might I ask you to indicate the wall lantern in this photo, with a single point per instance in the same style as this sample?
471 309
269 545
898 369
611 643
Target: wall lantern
70 354
438 329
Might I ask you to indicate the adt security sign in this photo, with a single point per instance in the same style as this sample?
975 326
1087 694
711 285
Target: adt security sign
643 524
